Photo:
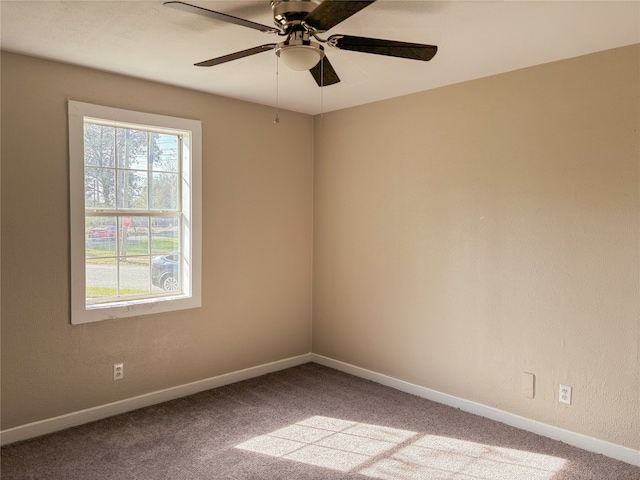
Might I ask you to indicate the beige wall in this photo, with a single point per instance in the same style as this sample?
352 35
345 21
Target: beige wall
468 234
462 236
256 247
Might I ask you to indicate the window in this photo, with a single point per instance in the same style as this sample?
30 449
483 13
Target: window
135 213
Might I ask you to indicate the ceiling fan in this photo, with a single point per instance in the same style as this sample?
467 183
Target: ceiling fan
301 22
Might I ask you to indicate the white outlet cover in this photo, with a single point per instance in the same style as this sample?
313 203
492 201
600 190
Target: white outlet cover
118 371
564 394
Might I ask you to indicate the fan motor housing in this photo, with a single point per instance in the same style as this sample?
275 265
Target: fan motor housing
287 13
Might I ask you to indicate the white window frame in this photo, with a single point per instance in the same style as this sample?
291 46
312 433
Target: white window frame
191 241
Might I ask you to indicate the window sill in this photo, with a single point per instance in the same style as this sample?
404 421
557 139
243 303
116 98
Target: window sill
133 308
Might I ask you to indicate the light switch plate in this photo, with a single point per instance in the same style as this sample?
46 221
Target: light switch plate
528 384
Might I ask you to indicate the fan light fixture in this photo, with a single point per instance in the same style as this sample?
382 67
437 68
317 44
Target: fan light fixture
300 57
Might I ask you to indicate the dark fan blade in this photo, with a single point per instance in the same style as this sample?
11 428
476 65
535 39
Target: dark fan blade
236 56
221 16
331 12
416 51
324 74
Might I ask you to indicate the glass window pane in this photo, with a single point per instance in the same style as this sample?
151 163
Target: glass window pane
135 235
131 148
164 191
99 187
98 145
165 235
164 152
134 276
165 273
132 189
100 236
100 279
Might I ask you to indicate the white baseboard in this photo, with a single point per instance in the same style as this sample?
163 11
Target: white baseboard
625 454
36 429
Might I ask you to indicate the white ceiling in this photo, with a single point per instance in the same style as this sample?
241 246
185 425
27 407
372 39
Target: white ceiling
475 39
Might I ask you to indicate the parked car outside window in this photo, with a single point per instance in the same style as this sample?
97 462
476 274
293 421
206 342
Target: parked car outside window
164 272
102 232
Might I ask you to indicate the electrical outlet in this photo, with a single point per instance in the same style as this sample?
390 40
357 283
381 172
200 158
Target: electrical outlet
564 395
118 371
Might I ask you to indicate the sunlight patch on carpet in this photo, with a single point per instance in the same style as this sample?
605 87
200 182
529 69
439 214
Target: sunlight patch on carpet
430 457
329 442
389 453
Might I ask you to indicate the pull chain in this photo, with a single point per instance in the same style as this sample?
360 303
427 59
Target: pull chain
277 118
321 90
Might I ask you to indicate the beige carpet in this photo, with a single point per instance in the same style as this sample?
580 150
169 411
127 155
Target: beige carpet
307 422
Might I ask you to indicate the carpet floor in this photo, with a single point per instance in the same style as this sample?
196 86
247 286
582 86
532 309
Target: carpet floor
307 422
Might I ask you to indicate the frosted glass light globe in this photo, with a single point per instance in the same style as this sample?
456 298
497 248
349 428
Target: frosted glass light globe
299 57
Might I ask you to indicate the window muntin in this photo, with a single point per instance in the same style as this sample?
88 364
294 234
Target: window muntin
135 212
